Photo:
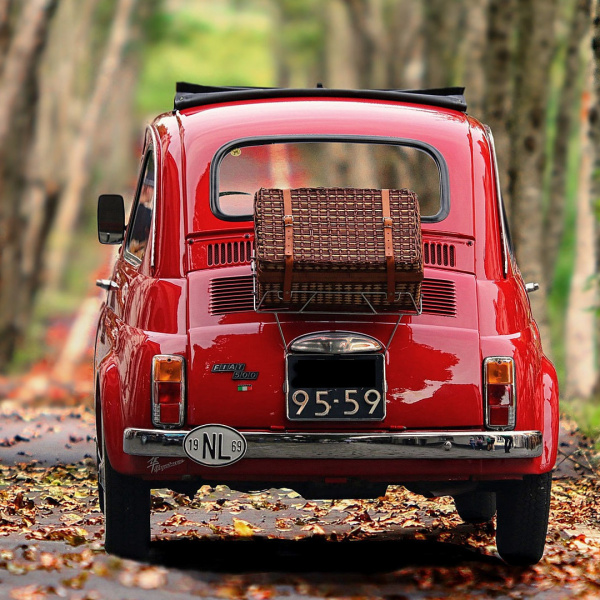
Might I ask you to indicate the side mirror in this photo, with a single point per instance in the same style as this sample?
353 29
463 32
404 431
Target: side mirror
111 219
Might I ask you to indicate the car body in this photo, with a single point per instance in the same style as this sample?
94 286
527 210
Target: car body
467 403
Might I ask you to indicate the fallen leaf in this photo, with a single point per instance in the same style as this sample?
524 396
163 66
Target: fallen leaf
30 592
243 528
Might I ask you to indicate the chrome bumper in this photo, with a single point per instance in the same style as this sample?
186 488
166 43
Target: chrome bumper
356 446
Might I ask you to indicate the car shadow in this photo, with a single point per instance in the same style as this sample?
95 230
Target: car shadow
311 555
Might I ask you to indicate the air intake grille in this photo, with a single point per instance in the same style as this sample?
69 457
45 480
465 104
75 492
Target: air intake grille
229 253
235 294
436 253
231 295
439 297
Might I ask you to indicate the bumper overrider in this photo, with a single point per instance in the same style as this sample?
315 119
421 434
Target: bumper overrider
354 446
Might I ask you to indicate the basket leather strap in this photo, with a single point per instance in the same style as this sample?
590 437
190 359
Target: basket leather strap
288 225
389 245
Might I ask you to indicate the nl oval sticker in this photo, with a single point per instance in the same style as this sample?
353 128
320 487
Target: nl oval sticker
215 445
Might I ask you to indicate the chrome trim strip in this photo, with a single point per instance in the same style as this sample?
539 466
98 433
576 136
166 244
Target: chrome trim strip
357 446
155 146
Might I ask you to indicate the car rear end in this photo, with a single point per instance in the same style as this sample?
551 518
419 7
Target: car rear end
450 396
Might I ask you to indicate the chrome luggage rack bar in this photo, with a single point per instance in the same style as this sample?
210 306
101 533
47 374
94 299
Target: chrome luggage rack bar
417 309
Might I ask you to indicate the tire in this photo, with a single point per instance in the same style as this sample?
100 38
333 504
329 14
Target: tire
523 510
476 507
126 514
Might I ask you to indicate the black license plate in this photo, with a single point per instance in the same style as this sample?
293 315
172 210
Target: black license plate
335 388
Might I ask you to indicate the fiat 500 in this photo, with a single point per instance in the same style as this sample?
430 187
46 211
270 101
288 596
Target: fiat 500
203 377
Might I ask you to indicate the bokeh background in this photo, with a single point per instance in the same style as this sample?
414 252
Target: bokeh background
79 80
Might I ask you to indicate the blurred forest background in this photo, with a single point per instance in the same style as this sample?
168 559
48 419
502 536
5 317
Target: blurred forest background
79 79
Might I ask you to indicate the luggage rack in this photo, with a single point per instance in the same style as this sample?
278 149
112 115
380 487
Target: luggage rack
276 312
416 308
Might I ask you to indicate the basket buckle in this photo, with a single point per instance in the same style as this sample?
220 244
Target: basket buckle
288 220
387 222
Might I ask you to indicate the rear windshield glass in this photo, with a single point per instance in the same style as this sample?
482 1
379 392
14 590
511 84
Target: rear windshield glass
244 169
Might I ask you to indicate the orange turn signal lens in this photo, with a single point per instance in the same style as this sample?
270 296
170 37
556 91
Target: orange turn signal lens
168 368
499 371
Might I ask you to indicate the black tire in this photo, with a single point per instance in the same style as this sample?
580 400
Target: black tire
126 514
476 507
523 510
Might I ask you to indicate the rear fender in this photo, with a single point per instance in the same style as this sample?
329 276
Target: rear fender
537 388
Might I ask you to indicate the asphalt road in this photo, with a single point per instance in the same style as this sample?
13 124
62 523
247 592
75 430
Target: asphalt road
204 549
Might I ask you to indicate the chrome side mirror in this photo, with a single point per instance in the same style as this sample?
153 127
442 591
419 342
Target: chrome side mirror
111 219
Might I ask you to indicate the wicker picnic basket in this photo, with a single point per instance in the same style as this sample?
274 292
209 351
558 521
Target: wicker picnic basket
337 249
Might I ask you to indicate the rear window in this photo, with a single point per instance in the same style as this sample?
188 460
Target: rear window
242 169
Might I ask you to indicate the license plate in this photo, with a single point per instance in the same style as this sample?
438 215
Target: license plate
335 388
215 445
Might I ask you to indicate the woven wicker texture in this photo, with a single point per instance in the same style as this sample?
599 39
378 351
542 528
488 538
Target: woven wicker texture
338 231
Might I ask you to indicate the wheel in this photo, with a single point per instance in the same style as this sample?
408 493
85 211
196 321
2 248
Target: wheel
476 507
126 513
523 510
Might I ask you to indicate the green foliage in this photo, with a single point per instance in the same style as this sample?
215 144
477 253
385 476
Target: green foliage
587 416
559 296
209 43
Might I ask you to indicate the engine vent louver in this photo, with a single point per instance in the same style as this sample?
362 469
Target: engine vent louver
235 294
229 253
436 253
439 297
231 295
240 253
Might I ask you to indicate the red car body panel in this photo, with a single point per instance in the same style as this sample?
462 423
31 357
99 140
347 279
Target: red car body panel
433 364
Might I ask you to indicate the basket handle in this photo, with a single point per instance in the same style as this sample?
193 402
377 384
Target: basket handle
389 245
288 225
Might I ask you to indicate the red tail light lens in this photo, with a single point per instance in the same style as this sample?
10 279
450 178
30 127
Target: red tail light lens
168 390
499 392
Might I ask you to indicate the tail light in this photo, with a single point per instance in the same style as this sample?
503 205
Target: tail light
168 390
499 392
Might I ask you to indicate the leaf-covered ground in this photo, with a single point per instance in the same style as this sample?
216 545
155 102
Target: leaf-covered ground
222 544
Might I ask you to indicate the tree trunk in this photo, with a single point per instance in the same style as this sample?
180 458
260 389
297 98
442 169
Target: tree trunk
371 38
595 143
283 74
5 26
406 50
79 159
580 344
18 99
472 68
443 31
528 136
554 219
340 47
499 85
64 57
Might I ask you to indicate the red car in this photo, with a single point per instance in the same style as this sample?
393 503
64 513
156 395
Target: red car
204 376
